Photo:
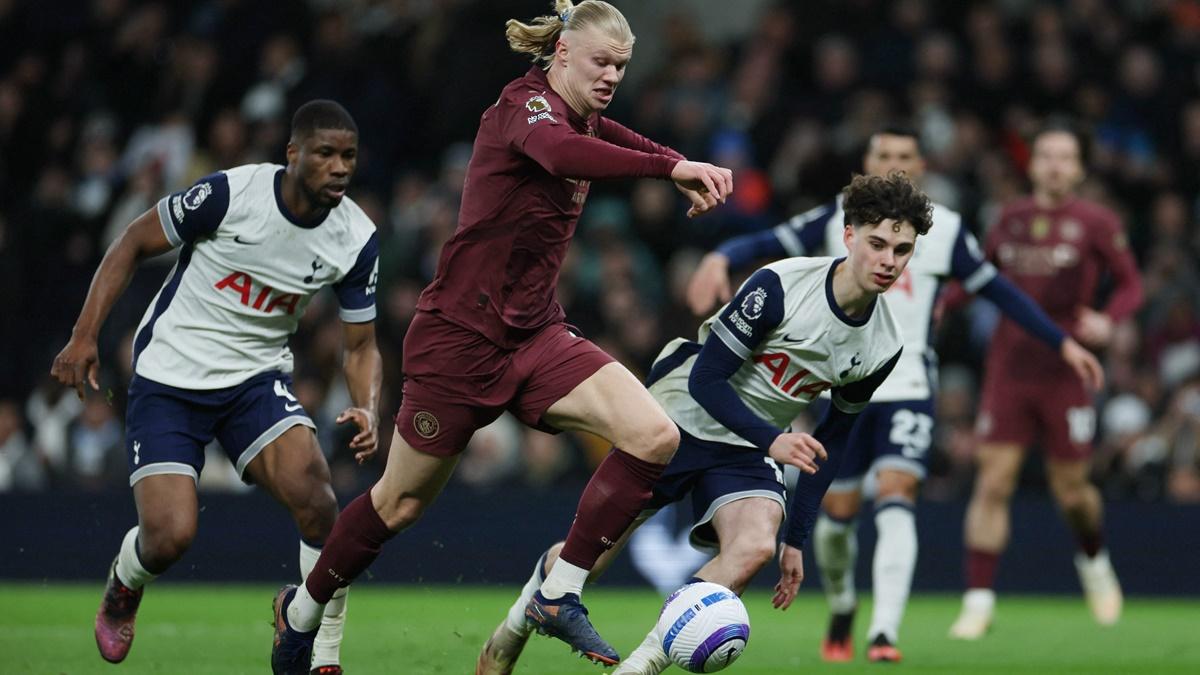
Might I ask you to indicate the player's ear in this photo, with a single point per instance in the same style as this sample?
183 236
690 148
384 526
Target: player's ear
848 235
293 152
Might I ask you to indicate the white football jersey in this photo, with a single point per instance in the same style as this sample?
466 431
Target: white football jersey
246 272
947 250
796 343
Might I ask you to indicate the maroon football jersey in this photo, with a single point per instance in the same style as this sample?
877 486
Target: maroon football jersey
1058 257
525 187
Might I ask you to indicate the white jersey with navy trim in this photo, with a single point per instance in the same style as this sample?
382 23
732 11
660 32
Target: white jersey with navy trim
246 272
796 342
947 250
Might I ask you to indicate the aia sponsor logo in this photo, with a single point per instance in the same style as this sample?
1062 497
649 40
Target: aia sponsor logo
796 384
265 299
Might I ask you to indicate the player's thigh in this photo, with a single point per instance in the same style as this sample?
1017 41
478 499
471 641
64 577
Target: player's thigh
1008 412
731 477
167 428
294 471
748 526
264 415
167 509
614 405
411 481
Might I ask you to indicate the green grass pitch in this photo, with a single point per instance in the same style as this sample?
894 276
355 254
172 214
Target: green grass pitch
438 629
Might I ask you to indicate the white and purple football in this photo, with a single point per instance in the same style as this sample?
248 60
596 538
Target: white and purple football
704 627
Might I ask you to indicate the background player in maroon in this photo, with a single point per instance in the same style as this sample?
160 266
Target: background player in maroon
1055 246
489 334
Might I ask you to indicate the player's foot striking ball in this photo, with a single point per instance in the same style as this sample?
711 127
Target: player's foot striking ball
114 620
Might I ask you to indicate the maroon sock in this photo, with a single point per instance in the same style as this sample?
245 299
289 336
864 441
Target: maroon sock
352 546
1090 542
613 498
981 568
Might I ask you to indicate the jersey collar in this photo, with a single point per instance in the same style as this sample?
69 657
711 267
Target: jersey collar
287 213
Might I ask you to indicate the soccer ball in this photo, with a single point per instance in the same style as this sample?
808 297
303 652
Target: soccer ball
704 627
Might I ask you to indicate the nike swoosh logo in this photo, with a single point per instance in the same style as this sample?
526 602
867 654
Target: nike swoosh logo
789 338
291 408
238 239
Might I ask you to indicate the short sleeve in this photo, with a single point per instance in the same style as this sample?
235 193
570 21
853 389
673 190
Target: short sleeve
190 214
356 290
755 311
967 263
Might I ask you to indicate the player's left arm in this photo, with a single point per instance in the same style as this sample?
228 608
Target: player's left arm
1127 295
619 134
361 361
977 275
833 432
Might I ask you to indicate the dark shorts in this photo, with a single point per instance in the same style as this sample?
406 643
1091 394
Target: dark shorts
167 428
1057 415
715 474
456 381
893 435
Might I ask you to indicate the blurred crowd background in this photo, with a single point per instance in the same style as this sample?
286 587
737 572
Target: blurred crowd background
107 105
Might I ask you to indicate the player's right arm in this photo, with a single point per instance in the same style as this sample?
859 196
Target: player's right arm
803 234
79 360
178 218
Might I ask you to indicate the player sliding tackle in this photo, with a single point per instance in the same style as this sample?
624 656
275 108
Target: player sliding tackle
796 328
490 336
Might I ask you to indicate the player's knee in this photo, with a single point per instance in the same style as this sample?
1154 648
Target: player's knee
316 515
995 487
753 553
159 546
1071 496
662 440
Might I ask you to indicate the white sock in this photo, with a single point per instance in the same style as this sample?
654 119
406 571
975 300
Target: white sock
515 620
305 613
648 659
564 578
836 546
129 567
333 619
895 558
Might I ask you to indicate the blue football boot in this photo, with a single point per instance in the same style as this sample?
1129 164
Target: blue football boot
566 618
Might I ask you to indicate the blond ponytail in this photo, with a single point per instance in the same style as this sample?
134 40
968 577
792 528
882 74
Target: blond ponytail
539 37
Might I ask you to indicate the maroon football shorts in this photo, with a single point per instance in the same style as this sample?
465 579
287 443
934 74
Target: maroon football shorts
1056 414
456 381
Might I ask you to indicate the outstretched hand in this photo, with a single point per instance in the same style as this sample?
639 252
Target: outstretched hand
705 185
791 573
366 442
76 364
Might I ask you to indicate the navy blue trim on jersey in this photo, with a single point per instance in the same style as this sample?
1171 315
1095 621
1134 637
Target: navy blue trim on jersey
1019 307
837 311
190 214
755 311
708 384
967 263
666 364
164 300
803 234
356 290
287 213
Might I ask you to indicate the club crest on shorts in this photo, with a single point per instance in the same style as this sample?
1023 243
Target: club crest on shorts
426 424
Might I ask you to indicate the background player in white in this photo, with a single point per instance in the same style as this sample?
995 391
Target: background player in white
795 329
893 436
211 358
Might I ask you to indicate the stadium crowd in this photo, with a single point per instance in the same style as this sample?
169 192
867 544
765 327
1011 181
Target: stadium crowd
106 105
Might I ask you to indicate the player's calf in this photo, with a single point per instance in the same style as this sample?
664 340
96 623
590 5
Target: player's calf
115 618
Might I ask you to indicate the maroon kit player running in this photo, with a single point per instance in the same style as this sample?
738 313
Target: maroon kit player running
1055 246
489 335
